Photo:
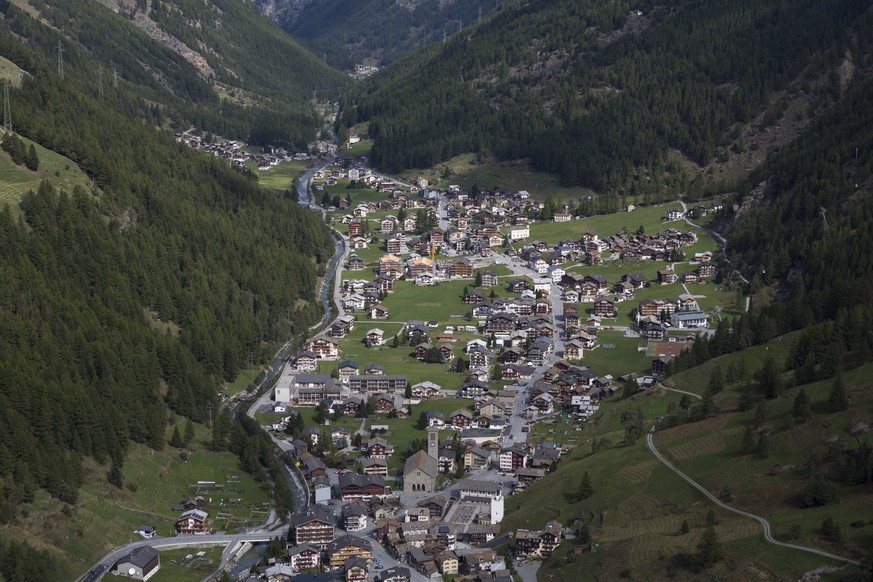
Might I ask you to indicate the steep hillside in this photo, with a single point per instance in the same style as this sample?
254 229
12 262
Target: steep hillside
128 299
375 32
193 63
596 92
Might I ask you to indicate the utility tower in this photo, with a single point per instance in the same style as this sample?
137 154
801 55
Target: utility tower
824 219
7 107
60 50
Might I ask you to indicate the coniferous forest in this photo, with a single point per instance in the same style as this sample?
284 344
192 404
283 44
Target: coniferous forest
140 295
591 91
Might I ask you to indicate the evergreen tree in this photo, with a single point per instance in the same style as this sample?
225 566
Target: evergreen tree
478 281
422 421
819 492
716 380
838 400
801 409
586 489
763 449
32 160
760 414
176 439
831 530
748 442
115 476
188 436
709 549
711 518
684 529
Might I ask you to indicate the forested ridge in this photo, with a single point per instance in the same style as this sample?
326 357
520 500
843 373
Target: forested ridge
349 32
591 91
119 303
266 101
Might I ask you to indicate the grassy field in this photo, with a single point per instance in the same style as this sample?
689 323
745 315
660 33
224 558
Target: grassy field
242 381
464 171
649 217
188 565
61 172
282 175
11 71
638 505
105 517
622 359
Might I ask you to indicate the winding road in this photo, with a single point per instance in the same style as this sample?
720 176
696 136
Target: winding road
764 523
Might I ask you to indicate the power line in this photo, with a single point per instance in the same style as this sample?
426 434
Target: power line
7 107
60 50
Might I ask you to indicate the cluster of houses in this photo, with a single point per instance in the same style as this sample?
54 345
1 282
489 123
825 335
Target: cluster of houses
236 155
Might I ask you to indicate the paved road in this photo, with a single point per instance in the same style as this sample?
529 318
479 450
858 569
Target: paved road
764 523
179 541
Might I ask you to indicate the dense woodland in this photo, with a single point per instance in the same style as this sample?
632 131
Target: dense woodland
270 99
376 31
571 86
142 295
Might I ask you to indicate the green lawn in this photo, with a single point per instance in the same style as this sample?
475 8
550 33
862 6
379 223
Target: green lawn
60 171
281 176
622 359
188 565
242 381
105 517
649 217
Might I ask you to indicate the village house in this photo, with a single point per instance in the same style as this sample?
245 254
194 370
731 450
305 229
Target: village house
194 521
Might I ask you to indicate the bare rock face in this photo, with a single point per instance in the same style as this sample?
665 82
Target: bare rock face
151 28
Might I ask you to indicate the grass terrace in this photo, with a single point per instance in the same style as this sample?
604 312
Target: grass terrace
649 217
188 565
58 170
282 175
622 359
105 517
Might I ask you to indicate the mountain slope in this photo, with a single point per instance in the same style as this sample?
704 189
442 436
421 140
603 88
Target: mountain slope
593 91
202 63
138 297
350 32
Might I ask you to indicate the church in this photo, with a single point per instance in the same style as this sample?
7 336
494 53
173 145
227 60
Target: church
421 469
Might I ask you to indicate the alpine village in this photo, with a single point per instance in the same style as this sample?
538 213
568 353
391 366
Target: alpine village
419 290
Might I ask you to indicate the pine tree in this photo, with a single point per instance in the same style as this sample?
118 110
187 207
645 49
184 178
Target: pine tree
478 281
176 439
422 421
188 437
748 440
760 414
763 445
115 476
586 489
32 160
838 399
711 518
709 550
716 380
801 406
684 529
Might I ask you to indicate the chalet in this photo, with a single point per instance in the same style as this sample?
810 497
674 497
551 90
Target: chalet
562 217
354 405
355 263
517 372
519 232
378 383
140 563
599 281
476 458
489 279
474 297
373 466
689 277
345 547
574 350
386 403
387 224
478 358
306 361
659 366
358 243
510 356
356 569
394 245
461 418
436 419
635 279
361 487
375 337
325 348
461 268
706 271
667 277
539 544
512 458
689 320
379 312
519 285
373 369
473 389
303 557
378 448
342 326
688 303
355 228
354 302
384 284
426 390
346 370
193 521
500 322
605 307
